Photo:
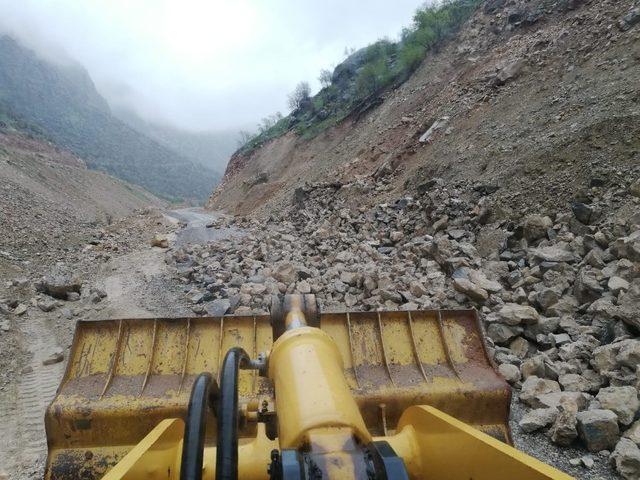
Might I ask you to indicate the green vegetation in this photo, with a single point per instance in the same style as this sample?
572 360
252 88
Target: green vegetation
359 80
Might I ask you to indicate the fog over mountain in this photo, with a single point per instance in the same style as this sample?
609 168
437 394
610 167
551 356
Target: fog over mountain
201 64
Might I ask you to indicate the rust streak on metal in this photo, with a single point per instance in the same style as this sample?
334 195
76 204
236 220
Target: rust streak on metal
114 360
151 357
186 355
353 357
415 347
220 347
445 346
384 350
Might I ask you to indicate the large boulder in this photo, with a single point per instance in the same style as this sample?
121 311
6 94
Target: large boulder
598 429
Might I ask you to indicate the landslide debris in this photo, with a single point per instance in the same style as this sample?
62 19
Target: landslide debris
559 297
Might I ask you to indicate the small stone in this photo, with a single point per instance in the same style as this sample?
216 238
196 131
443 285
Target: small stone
534 387
515 314
587 461
391 295
417 289
470 289
537 419
285 273
46 305
73 296
536 226
21 309
623 401
598 429
510 372
563 431
218 307
55 357
160 241
501 334
303 287
582 212
572 382
553 253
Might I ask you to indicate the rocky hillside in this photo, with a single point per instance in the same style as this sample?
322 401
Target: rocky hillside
503 175
49 200
530 98
63 104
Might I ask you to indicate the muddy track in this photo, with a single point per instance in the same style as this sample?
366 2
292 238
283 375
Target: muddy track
23 412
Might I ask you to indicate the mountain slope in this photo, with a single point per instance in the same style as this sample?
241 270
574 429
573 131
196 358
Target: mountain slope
532 97
210 148
48 197
63 102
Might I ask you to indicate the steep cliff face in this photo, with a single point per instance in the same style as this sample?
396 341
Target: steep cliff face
535 99
61 102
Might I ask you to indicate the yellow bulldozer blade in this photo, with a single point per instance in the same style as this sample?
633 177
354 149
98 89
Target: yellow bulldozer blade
124 377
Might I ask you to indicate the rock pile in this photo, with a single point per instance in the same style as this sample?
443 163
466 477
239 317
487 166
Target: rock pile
560 296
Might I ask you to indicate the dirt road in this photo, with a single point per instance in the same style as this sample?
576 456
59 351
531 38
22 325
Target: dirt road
137 284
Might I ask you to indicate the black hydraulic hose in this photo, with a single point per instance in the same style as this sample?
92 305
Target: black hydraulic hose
227 414
194 429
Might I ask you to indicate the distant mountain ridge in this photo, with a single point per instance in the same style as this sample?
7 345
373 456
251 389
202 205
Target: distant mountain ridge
63 103
210 148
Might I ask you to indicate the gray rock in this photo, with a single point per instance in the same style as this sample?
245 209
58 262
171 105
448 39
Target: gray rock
510 372
553 399
538 418
533 387
563 431
391 295
587 287
625 23
218 307
55 357
535 227
515 314
629 305
626 459
633 433
553 253
58 285
572 382
598 429
470 289
285 273
582 212
501 334
47 305
617 285
623 401
629 354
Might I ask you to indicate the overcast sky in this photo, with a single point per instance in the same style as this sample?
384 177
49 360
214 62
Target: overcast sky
203 64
